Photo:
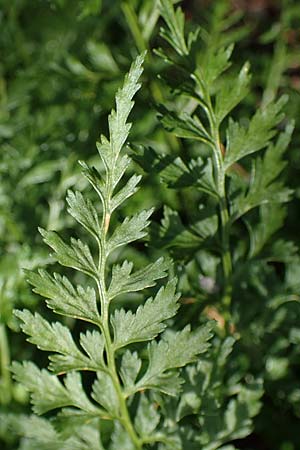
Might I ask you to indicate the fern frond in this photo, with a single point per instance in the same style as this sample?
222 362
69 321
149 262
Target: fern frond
110 395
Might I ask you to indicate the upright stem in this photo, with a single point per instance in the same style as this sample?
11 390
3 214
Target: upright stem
133 24
224 216
5 363
226 257
110 353
125 417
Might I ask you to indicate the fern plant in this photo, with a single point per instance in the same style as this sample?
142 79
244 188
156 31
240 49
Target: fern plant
220 167
231 259
122 376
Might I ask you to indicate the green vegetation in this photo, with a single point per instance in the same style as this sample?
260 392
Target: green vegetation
166 315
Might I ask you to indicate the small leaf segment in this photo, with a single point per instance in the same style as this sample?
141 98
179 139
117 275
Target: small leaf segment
120 374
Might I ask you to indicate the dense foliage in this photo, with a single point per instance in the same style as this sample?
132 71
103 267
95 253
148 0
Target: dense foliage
168 310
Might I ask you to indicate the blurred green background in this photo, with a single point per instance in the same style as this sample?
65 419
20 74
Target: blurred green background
61 63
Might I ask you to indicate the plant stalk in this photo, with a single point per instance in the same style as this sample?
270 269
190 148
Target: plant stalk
218 154
6 385
225 238
110 353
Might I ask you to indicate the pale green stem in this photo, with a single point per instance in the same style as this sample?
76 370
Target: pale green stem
6 385
224 214
226 257
55 208
110 353
133 24
111 363
225 235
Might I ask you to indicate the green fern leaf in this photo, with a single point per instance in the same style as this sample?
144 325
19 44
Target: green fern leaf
104 393
184 126
123 281
242 141
127 191
129 230
93 344
48 393
175 22
118 128
120 439
264 186
225 101
173 351
148 321
84 212
64 298
55 338
119 374
147 417
77 255
219 62
130 368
